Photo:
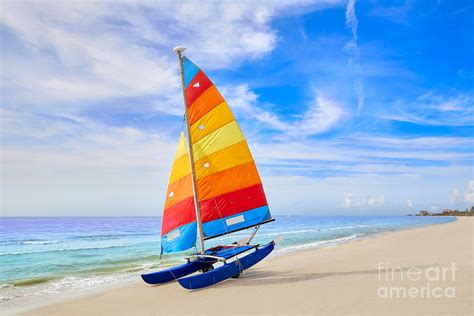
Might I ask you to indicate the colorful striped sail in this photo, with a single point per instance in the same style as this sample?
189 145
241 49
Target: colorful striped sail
179 229
229 188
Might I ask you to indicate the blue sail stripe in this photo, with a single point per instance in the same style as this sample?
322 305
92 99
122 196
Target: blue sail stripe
190 70
225 224
185 240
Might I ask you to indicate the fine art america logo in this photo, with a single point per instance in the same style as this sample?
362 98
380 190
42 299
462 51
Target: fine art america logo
414 282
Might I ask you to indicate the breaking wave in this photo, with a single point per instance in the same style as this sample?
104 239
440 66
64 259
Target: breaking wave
319 243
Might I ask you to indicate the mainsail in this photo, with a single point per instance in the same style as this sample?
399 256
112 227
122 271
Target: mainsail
228 186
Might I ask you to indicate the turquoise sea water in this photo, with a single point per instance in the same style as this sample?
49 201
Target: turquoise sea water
42 257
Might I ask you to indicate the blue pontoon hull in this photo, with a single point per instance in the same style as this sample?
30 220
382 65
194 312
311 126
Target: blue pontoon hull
228 270
174 273
201 263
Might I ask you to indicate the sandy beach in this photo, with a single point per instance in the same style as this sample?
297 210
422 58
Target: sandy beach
425 270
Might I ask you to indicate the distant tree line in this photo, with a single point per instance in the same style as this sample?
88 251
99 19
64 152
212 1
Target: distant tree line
447 212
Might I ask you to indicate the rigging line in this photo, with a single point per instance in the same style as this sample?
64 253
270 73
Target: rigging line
249 240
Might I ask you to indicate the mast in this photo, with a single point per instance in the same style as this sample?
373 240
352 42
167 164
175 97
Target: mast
179 50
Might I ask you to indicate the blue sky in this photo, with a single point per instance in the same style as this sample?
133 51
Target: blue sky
349 107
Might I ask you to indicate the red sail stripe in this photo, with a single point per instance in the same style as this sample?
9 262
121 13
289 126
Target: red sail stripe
233 203
196 87
178 215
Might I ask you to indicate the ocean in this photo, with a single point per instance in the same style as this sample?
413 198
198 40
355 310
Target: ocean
43 257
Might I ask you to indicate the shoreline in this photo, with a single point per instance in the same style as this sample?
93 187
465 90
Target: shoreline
279 259
359 238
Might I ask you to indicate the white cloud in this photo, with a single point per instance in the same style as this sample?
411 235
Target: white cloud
431 108
92 50
381 200
455 196
409 203
347 201
118 172
75 51
375 201
355 154
469 193
425 143
354 52
321 115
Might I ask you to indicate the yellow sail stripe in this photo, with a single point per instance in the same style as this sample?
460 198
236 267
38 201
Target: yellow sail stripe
181 168
212 120
182 149
223 137
223 159
180 185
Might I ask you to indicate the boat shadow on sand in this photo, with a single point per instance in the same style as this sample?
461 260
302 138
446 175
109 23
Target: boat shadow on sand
260 277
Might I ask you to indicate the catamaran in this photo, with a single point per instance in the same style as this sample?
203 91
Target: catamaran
214 190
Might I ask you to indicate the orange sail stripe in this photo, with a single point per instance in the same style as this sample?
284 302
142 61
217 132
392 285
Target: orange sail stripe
228 181
215 118
206 102
223 159
179 190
